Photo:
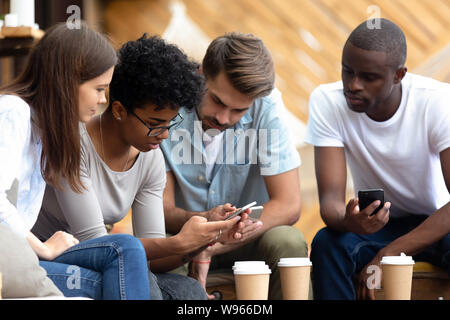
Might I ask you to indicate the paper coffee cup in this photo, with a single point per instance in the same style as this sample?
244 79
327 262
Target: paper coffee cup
251 280
397 276
295 275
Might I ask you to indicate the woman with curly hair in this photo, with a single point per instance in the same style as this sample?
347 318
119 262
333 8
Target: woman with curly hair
62 85
122 166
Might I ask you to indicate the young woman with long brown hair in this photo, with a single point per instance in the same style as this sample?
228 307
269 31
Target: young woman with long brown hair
63 83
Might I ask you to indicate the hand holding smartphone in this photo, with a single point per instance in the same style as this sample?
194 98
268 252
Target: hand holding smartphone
366 197
241 210
256 212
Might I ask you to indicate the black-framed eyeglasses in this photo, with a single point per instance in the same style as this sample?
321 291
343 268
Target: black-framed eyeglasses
156 131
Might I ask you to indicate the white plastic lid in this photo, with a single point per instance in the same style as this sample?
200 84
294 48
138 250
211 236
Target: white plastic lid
402 259
251 267
243 263
294 262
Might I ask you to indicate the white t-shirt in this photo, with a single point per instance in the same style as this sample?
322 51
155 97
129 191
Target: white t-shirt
213 146
401 154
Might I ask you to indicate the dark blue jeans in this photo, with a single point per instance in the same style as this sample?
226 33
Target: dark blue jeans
112 267
170 286
338 257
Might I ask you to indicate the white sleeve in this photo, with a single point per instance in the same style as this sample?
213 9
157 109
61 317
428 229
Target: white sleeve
439 120
147 208
14 132
322 129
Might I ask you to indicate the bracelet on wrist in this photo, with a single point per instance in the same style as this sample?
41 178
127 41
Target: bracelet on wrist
201 262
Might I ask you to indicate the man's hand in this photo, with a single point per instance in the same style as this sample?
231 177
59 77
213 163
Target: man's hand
220 212
244 229
361 222
369 279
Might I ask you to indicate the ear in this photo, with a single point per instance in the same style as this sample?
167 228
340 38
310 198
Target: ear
399 74
200 70
118 111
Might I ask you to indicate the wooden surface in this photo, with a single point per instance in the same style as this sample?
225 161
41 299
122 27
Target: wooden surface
21 32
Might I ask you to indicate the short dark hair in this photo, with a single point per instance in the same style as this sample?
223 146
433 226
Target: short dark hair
245 60
383 37
152 71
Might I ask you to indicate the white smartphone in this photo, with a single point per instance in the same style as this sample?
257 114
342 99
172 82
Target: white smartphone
256 212
241 210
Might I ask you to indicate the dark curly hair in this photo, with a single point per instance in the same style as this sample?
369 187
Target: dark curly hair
151 71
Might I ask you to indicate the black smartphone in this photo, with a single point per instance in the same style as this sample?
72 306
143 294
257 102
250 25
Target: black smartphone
366 197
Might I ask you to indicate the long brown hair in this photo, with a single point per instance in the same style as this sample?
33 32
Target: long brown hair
59 63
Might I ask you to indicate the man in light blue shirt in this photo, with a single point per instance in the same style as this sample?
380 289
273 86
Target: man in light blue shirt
235 149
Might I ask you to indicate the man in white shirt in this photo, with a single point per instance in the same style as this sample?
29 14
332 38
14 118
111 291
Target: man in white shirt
393 129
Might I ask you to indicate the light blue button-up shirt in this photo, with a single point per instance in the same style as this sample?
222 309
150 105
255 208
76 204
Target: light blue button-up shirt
258 145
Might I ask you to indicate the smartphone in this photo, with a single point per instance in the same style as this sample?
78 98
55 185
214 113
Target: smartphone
366 197
256 212
241 210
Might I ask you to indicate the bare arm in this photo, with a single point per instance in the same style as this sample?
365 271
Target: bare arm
434 228
284 205
283 208
331 175
168 253
175 217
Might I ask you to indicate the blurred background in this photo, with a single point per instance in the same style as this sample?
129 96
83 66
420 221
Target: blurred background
305 37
